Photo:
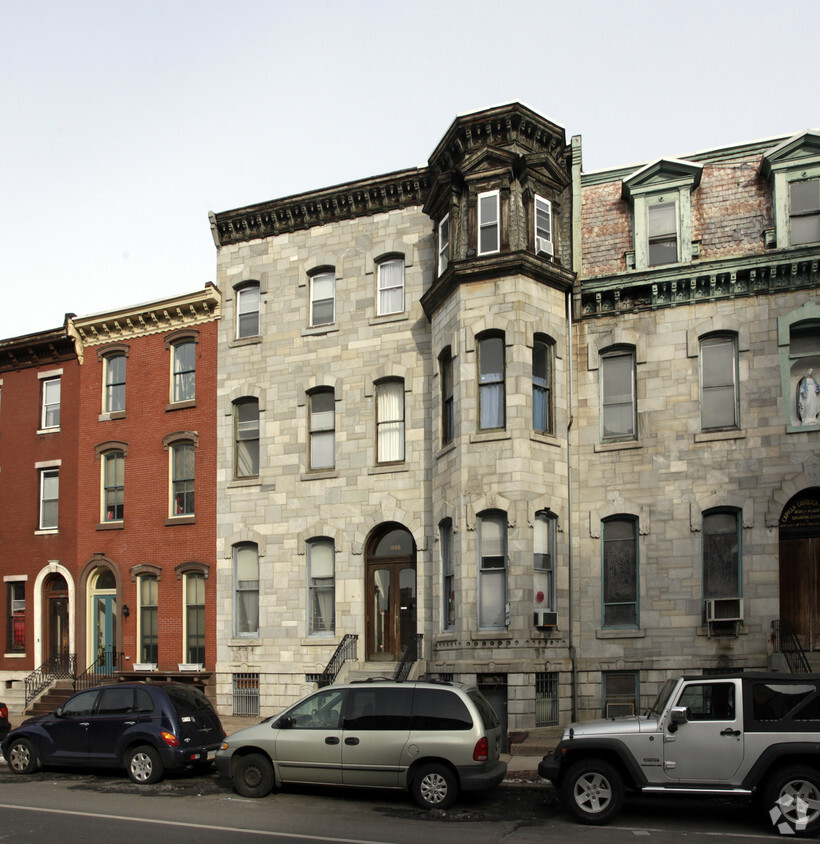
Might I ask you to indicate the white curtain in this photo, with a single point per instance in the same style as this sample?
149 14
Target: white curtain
390 412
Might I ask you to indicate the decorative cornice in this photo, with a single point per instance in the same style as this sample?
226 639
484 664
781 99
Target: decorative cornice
38 349
362 198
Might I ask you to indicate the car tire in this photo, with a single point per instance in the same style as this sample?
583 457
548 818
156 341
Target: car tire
144 765
435 787
792 800
22 757
592 791
253 775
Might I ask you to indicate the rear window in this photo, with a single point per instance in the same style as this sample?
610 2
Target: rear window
378 709
187 700
485 710
439 709
773 701
116 701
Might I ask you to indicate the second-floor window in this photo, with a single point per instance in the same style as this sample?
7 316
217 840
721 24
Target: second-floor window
718 382
49 498
489 223
246 438
114 383
247 311
182 479
618 408
113 486
541 387
184 376
50 405
390 421
323 298
322 429
391 286
491 391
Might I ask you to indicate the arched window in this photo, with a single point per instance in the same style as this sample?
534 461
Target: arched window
323 297
718 381
322 426
321 586
246 438
391 286
448 586
246 589
618 404
542 386
184 371
492 569
620 571
390 421
113 474
447 408
114 371
148 618
491 386
247 310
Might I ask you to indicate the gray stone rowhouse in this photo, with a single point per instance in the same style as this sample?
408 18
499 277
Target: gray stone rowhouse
518 409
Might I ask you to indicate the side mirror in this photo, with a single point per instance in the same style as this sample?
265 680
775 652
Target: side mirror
284 723
679 715
59 712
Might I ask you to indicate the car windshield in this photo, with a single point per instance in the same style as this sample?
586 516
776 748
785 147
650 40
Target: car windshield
662 699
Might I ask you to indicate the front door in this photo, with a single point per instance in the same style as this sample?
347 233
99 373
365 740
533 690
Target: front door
800 567
56 618
390 594
105 631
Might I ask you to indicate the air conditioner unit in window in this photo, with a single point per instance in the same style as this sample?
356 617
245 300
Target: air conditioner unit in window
545 618
543 246
724 609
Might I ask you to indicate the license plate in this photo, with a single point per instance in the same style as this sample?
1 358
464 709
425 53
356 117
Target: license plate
211 754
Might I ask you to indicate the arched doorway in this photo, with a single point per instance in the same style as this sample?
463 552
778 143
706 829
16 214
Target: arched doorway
390 592
55 614
102 601
800 566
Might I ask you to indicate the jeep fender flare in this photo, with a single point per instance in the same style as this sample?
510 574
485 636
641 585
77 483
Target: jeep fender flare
806 752
613 750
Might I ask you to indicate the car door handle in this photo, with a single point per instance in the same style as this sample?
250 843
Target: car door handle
730 732
85 723
332 740
351 740
129 723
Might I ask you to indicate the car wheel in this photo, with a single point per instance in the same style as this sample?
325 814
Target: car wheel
253 775
435 787
22 757
592 791
792 799
144 765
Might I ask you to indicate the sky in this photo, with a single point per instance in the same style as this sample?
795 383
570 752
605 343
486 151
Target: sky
125 123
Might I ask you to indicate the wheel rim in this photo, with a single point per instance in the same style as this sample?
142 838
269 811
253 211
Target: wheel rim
433 788
141 766
799 802
592 793
19 757
252 776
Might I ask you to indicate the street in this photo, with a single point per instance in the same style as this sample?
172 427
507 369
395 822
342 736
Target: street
75 807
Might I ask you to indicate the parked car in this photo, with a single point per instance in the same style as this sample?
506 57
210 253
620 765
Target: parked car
5 726
433 739
752 735
145 728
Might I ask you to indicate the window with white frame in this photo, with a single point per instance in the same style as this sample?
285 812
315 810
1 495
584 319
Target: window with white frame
322 601
492 569
618 405
448 422
149 618
620 571
491 388
16 616
322 426
182 479
391 286
323 298
49 498
541 386
718 382
50 403
246 589
443 244
390 421
246 438
113 472
721 553
662 228
114 368
804 211
489 222
184 371
194 586
247 311
543 226
544 560
448 586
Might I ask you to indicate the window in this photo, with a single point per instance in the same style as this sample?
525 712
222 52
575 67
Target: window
546 699
182 479
322 589
247 311
620 693
447 408
543 226
50 411
491 392
184 363
448 587
541 387
246 594
620 572
195 618
804 354
49 498
246 438
804 211
721 554
492 575
323 298
662 227
709 701
618 412
391 286
443 244
489 226
148 618
718 382
544 560
113 469
114 367
16 616
390 421
322 429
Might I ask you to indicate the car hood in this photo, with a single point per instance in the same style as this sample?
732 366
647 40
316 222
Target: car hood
626 725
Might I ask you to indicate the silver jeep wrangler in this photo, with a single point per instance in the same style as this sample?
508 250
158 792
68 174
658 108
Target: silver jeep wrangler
746 735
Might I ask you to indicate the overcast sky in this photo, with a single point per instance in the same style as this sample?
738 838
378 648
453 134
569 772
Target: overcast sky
124 123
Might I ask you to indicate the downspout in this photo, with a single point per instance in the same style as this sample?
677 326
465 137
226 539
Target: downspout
576 267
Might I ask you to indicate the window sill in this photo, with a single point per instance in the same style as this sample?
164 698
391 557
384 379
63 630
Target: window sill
489 635
110 526
240 483
801 429
117 414
717 436
620 446
180 520
490 436
320 330
546 439
445 636
245 341
388 469
15 655
446 449
319 475
46 531
401 316
620 633
42 431
180 405
245 641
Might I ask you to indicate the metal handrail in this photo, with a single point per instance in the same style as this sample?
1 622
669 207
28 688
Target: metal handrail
411 655
786 641
62 667
346 650
104 667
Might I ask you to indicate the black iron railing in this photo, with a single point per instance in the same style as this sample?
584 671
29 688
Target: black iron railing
411 655
63 667
786 641
347 650
104 667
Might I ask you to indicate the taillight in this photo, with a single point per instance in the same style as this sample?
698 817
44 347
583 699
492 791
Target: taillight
169 738
4 710
481 753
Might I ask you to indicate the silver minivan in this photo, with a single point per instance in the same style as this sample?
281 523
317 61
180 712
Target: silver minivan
434 739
